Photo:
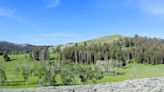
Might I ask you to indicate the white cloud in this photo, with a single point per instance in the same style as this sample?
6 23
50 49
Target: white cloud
49 36
6 12
9 13
153 7
52 3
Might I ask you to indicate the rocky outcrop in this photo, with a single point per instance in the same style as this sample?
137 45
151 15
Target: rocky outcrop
143 85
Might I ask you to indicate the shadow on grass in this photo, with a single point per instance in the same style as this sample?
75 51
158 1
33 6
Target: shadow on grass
16 84
13 59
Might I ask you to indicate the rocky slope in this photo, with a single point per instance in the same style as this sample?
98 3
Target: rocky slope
142 85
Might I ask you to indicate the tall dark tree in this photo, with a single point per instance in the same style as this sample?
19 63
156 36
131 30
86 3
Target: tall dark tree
5 56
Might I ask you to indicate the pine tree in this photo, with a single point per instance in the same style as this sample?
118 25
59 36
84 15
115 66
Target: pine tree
5 56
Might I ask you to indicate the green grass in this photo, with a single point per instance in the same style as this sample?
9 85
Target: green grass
141 71
105 39
18 60
101 40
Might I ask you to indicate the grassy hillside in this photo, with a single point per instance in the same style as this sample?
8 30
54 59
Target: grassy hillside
101 40
105 39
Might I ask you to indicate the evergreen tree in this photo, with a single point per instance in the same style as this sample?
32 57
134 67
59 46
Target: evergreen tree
5 56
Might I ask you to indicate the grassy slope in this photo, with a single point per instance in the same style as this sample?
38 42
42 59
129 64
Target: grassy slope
136 71
11 67
105 39
102 40
18 60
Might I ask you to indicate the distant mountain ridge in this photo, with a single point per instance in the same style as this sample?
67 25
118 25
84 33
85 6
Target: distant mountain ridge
4 45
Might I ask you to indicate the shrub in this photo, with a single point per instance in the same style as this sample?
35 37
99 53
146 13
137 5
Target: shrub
88 72
66 75
84 72
25 73
58 79
76 80
3 76
17 72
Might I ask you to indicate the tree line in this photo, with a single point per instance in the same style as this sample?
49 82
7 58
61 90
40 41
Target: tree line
126 49
38 53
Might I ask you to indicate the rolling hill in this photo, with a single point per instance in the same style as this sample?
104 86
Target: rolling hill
14 47
105 39
100 40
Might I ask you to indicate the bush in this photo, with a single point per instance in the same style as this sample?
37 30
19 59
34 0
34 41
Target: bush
87 72
58 79
98 74
66 75
3 76
53 58
17 72
25 73
76 80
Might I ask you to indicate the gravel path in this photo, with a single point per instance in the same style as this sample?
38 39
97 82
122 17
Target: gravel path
142 85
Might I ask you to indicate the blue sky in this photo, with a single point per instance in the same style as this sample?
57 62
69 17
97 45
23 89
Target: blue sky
44 22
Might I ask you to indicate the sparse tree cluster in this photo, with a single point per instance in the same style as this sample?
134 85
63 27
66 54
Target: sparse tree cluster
62 73
146 50
40 53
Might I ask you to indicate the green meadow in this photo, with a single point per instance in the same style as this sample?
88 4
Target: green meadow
131 71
